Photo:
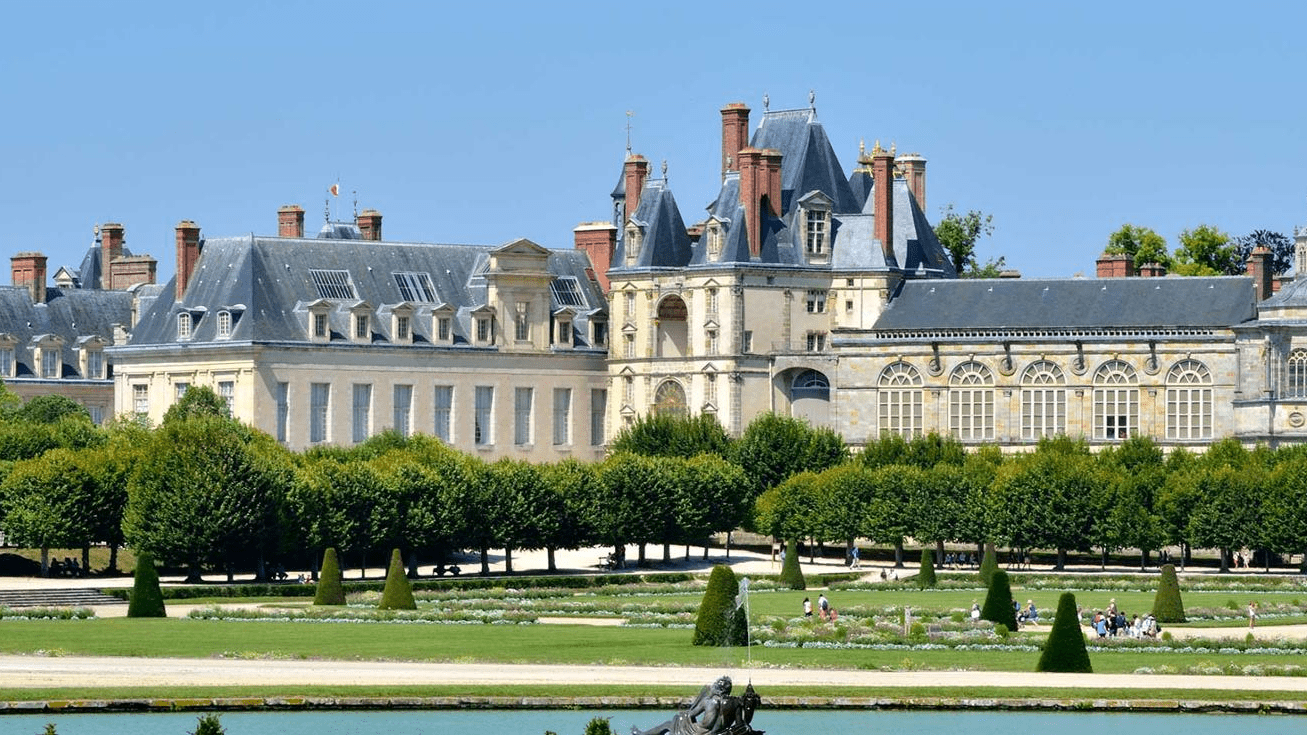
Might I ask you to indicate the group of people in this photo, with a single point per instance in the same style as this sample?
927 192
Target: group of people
824 610
961 560
1113 622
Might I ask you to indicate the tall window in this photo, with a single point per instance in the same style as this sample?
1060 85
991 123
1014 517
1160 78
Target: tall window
816 221
628 345
710 388
184 325
522 399
283 410
404 409
900 397
1116 401
746 341
6 362
971 402
483 428
141 399
628 390
179 391
564 331
50 359
1189 401
361 328
401 328
94 364
444 328
598 410
629 301
710 338
227 392
816 301
714 241
224 323
816 341
319 404
712 301
1043 400
362 412
483 330
669 399
562 416
319 325
444 412
1296 379
521 322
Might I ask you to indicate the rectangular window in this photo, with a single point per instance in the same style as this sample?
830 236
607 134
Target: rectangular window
900 412
522 399
598 412
562 416
816 232
1116 413
332 284
483 428
848 306
94 365
319 404
816 301
97 414
816 341
521 321
362 412
710 337
141 400
443 329
566 291
179 391
628 390
746 341
404 409
7 362
483 330
444 412
712 301
564 333
630 306
1043 412
628 345
1188 413
416 287
184 326
710 388
600 333
283 411
227 392
224 323
361 330
971 413
319 325
50 363
401 328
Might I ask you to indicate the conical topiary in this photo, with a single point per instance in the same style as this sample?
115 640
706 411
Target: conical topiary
1167 606
330 591
926 577
998 603
720 621
147 598
398 594
791 574
988 564
1065 649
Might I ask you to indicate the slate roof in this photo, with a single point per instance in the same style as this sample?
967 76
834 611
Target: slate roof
1293 293
88 275
1081 303
664 242
809 162
71 314
266 283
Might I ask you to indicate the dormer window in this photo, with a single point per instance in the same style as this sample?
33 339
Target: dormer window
818 225
483 326
483 329
319 321
320 325
633 238
50 363
814 214
442 325
362 327
521 321
91 357
360 321
564 331
598 332
48 354
401 324
402 333
8 352
184 325
224 324
714 241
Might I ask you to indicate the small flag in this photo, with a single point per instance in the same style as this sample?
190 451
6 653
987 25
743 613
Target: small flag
335 190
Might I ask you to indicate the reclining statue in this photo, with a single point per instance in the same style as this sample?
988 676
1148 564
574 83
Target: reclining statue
713 712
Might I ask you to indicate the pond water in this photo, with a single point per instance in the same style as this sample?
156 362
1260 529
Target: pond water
572 722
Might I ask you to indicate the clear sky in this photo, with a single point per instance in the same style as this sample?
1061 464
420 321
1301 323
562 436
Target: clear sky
481 122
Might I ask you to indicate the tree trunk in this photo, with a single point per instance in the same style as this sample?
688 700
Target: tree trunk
939 554
687 552
485 561
45 561
1186 554
193 574
812 551
549 552
1302 566
898 554
1143 559
639 559
508 560
1266 555
113 558
413 564
1061 559
1102 560
705 550
667 552
1225 560
728 546
363 565
86 561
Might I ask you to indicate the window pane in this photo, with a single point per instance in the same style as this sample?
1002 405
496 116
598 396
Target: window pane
404 409
562 416
319 399
522 398
362 412
483 427
444 411
598 409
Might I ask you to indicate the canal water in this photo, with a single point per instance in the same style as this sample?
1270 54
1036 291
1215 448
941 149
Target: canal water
573 722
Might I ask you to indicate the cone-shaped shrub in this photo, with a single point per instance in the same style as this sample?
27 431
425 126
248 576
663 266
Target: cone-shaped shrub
147 598
720 622
791 574
330 591
1065 649
988 564
998 603
398 594
926 577
1167 607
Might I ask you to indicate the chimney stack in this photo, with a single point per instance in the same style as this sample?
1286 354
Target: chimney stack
188 254
131 271
29 272
1152 270
290 221
735 135
1115 266
1259 268
599 241
111 249
369 224
914 170
635 171
760 191
882 171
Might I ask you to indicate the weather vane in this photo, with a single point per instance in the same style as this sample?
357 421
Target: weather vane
629 114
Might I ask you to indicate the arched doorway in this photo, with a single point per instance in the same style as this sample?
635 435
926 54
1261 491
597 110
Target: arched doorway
669 399
810 397
672 331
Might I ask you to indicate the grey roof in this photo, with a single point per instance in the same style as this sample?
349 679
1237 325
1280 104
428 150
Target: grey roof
71 314
916 249
1047 305
860 182
665 242
809 162
266 284
88 275
1293 293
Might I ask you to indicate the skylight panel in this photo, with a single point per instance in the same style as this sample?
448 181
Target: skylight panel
333 284
416 287
567 291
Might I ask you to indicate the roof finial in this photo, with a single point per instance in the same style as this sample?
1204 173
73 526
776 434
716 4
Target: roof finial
766 101
629 114
664 169
812 99
356 205
893 147
326 211
862 147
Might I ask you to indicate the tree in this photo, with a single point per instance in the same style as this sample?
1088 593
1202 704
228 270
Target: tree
50 409
330 590
1142 244
791 571
398 593
198 400
989 564
1065 649
887 519
926 577
774 447
669 435
720 621
209 724
998 606
1167 605
51 502
958 234
1206 251
791 511
147 599
1281 248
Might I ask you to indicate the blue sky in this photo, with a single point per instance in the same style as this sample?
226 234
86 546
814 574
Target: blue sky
484 122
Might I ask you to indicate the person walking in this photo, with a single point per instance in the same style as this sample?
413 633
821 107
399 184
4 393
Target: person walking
823 606
1252 615
853 558
807 608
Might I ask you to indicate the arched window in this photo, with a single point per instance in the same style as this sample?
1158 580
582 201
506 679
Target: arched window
673 335
810 384
184 325
1043 400
900 400
971 402
1295 385
669 399
1116 401
1189 401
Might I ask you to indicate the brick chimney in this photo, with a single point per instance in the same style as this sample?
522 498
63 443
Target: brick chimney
131 271
914 170
1259 268
290 221
882 171
111 248
188 254
599 241
635 171
369 223
29 272
735 135
760 191
1115 266
1152 270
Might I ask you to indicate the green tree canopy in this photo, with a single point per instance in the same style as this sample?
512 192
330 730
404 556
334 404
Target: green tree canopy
669 435
958 234
774 447
50 409
1206 251
198 400
1281 248
1142 244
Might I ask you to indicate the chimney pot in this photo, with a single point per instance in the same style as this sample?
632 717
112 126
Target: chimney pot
369 224
599 241
188 254
735 135
1259 267
111 248
635 171
290 221
28 271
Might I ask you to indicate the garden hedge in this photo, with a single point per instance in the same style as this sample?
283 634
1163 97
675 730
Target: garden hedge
398 594
1065 650
329 591
720 622
146 600
998 603
1167 605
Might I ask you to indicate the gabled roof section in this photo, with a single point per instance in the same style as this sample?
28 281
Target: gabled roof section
664 240
916 249
808 161
1082 303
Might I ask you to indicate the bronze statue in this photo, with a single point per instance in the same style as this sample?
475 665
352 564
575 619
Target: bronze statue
713 712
